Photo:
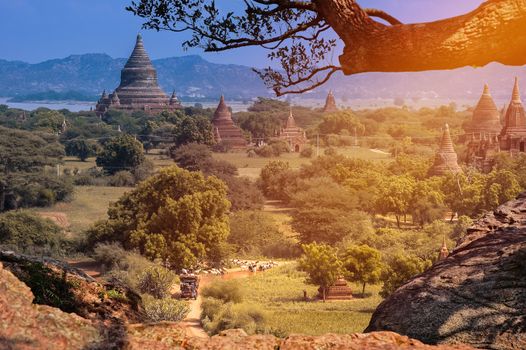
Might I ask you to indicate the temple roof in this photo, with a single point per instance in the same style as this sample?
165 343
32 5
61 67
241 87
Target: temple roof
446 157
291 123
486 116
515 118
222 112
139 57
330 103
446 145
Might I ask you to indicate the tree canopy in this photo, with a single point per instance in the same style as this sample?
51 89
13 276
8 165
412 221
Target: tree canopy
301 36
176 215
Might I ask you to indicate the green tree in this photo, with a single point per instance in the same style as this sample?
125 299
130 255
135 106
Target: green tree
26 232
334 123
500 186
80 148
256 233
394 196
362 264
321 264
463 193
25 179
274 179
427 203
399 269
175 215
123 152
195 129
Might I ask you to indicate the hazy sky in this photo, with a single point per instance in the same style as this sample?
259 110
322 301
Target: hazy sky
37 30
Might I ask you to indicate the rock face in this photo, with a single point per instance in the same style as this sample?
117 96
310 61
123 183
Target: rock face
475 296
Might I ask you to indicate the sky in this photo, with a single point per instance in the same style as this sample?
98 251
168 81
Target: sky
37 30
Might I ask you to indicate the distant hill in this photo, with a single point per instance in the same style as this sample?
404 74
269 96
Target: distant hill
194 78
190 76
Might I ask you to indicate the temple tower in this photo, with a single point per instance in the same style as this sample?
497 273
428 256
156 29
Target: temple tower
513 135
330 104
446 157
138 89
444 252
482 133
293 135
224 128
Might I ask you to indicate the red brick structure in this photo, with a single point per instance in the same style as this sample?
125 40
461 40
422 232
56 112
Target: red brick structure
339 291
138 90
446 157
513 135
225 131
293 135
330 104
482 133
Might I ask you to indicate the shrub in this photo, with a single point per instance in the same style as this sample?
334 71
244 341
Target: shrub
265 151
109 255
217 316
167 309
122 178
29 233
156 281
227 291
307 152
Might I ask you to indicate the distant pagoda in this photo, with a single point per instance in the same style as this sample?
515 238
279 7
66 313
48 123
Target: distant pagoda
446 157
444 252
225 131
481 134
486 117
330 104
513 135
138 90
293 135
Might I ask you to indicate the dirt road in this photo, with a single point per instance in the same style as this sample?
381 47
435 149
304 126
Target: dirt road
192 322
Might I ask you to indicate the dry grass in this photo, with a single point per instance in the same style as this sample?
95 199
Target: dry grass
280 292
90 203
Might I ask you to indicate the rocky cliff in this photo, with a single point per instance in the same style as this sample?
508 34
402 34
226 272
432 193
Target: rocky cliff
476 296
26 325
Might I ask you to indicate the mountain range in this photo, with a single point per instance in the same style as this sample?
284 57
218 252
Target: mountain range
194 78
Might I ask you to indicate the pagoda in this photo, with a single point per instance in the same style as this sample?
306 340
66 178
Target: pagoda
482 133
293 135
444 252
446 157
338 291
224 129
138 90
330 104
513 135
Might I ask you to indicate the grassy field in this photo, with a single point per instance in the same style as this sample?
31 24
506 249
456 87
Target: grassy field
280 292
251 167
90 203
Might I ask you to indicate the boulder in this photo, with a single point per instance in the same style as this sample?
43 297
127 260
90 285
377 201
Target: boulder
476 296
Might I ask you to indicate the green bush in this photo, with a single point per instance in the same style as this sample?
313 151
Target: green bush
26 232
157 281
217 316
121 178
227 291
167 309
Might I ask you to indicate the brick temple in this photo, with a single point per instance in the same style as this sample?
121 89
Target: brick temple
446 157
330 104
293 135
225 131
139 89
482 132
491 132
513 134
